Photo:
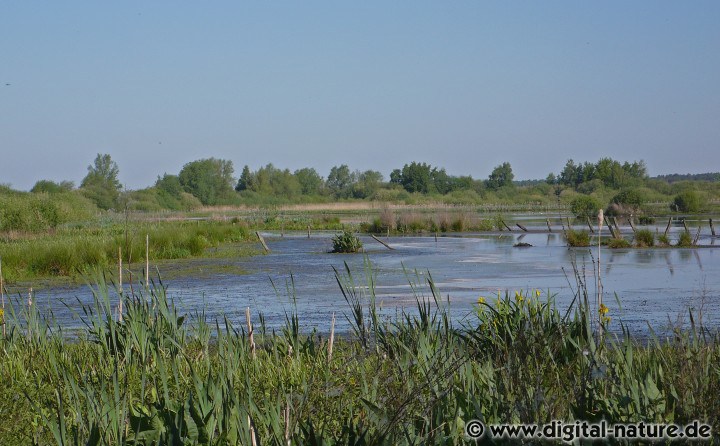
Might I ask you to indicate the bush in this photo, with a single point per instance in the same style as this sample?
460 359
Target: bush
644 238
585 206
687 201
618 243
346 242
628 201
577 238
685 240
664 240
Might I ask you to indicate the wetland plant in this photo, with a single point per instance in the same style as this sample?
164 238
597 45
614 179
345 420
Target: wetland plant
644 238
346 242
577 239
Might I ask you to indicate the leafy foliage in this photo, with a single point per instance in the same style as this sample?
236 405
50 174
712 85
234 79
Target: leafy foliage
346 242
585 206
501 176
210 180
687 201
101 183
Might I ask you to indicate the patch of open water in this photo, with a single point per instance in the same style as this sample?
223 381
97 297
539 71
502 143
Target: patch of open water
654 287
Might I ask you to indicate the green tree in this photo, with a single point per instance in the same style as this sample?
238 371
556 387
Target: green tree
101 183
367 183
417 177
170 185
340 181
687 201
311 183
210 180
247 180
501 176
52 187
585 206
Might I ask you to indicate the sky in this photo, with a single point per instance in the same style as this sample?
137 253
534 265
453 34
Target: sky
464 85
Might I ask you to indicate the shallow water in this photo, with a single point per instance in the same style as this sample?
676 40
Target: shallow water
653 286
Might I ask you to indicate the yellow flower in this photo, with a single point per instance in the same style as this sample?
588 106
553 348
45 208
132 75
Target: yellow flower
518 296
481 300
537 293
2 316
603 309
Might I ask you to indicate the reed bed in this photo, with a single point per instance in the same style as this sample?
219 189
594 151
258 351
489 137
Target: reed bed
74 250
147 374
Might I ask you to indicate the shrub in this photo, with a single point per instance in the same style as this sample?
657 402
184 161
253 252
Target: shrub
346 242
626 202
585 206
685 240
618 243
644 238
687 201
646 220
577 238
664 240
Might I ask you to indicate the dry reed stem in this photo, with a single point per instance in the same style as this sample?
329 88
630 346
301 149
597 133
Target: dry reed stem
252 432
250 332
332 338
147 260
120 285
287 424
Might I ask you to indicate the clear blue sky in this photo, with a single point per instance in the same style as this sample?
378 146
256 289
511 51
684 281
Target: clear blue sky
464 85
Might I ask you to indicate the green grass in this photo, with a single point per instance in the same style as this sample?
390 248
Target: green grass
69 252
161 377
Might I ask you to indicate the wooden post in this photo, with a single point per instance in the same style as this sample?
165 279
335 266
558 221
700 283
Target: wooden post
712 228
609 225
592 230
332 338
381 242
568 222
504 224
521 227
686 226
617 228
632 225
547 220
308 231
562 225
697 236
250 332
262 241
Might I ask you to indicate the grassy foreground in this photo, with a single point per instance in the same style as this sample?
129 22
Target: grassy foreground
158 377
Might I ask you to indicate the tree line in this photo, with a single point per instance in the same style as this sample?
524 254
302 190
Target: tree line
212 181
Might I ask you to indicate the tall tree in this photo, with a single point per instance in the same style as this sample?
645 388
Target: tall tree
340 181
101 183
210 180
311 182
501 176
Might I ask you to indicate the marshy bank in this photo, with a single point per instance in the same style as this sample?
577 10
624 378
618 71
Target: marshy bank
146 373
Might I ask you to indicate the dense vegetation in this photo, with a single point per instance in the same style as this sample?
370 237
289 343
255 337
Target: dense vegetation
145 374
621 188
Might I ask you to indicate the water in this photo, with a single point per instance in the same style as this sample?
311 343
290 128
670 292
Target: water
653 286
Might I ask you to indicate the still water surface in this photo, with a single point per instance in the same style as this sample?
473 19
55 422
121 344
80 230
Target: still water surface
653 286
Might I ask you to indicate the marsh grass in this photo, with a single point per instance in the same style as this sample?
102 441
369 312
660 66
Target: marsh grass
161 377
72 251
